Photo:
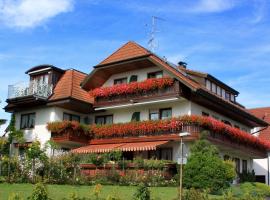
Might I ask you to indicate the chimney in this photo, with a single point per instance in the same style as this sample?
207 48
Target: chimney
181 66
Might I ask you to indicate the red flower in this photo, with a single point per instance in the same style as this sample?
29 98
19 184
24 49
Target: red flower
132 88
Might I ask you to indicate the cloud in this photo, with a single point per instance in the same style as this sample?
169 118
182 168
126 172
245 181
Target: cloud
212 6
260 10
31 13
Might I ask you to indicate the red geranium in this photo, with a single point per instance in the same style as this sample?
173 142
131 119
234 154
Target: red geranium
132 88
174 125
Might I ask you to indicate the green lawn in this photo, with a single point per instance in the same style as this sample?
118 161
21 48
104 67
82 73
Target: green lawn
60 191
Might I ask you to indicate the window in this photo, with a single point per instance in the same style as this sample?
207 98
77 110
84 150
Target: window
71 117
154 115
158 74
28 121
120 81
214 87
133 78
86 120
208 84
161 154
227 96
236 126
205 114
223 93
166 154
105 119
218 90
244 165
227 122
232 98
237 164
165 113
136 116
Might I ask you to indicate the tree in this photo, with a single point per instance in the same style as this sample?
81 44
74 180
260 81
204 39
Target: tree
206 170
34 153
2 121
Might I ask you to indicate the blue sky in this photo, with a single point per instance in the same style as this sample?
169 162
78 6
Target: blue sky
229 39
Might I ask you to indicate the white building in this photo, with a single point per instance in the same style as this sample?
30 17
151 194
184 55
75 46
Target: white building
54 94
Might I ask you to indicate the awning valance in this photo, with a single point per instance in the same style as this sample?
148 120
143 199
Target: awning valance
136 146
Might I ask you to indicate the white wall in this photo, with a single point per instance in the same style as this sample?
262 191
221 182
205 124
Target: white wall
43 116
141 73
197 110
121 115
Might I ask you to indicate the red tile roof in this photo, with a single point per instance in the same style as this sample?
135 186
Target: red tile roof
263 113
128 50
69 87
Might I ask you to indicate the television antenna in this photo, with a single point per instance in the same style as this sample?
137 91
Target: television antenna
152 43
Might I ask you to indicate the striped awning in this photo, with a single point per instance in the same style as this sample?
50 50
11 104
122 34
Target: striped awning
136 146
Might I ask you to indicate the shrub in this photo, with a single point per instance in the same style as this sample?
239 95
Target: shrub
15 196
247 177
39 193
255 189
142 193
205 169
193 194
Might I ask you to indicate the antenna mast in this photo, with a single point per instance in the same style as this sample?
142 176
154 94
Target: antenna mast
152 43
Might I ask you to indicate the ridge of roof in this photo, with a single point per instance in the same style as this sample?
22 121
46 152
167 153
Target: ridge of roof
128 50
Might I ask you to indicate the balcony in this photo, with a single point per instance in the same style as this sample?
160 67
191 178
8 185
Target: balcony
137 92
70 139
25 89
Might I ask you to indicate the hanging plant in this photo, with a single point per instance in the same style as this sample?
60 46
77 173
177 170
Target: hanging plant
132 88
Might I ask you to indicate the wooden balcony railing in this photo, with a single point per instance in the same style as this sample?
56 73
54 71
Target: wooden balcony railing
167 92
70 136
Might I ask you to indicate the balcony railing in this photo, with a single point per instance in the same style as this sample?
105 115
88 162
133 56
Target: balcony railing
166 92
70 136
29 88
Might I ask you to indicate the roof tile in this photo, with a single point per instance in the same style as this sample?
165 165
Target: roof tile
69 86
128 50
263 113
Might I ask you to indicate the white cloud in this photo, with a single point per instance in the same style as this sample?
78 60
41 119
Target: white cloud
208 6
31 13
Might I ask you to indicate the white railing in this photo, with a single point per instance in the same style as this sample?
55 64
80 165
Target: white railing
27 89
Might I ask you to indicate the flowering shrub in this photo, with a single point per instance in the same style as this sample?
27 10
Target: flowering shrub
152 127
62 126
131 88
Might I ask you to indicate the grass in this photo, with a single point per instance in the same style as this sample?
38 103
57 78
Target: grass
58 192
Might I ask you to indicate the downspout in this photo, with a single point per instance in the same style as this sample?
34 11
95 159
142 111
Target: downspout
268 180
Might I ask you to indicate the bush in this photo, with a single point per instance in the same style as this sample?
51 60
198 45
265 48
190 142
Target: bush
142 193
39 193
206 170
259 189
15 196
193 194
247 177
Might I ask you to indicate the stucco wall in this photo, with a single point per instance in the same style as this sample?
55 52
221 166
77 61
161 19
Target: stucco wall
43 116
197 110
142 75
179 107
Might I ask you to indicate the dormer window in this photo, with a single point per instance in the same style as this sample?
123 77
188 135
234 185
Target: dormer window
158 74
120 81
